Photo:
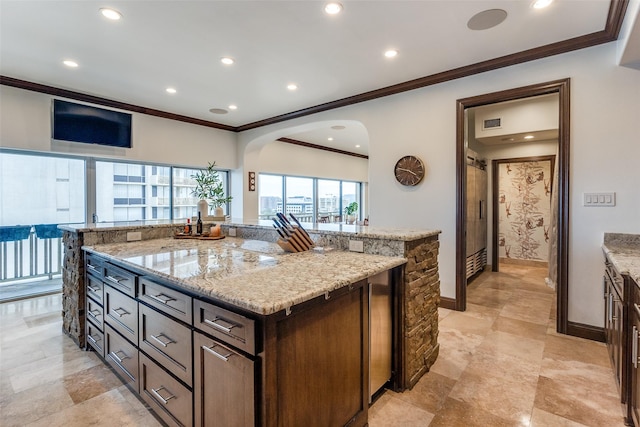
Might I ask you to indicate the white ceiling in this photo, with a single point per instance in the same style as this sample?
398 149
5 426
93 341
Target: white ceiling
179 44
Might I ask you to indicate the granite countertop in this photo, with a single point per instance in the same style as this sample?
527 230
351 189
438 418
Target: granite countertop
250 274
623 250
371 232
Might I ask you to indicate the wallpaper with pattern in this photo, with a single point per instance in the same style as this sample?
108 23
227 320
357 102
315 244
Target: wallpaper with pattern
524 210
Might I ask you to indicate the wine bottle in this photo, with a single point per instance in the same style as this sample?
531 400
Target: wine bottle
199 224
187 228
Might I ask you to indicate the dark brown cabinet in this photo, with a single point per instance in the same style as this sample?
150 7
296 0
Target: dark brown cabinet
618 331
635 366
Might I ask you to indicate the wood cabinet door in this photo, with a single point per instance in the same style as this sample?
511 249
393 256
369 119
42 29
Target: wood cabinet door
635 372
224 385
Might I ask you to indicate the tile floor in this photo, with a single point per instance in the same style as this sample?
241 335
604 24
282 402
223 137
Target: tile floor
500 364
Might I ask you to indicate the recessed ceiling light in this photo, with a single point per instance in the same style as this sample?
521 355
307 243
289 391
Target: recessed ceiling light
391 53
338 127
541 4
69 63
218 111
233 107
329 139
529 137
292 86
226 60
357 145
333 8
486 19
112 14
171 90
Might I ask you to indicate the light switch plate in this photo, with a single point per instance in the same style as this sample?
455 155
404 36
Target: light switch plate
134 236
356 245
232 232
599 199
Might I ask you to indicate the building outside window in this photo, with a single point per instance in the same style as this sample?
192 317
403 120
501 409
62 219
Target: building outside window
309 199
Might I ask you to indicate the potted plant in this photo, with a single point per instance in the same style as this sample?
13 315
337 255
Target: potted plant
349 212
210 191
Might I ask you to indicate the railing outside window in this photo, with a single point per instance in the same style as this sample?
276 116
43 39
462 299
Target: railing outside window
28 252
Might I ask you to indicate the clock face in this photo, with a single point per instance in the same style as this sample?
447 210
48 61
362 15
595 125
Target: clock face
409 170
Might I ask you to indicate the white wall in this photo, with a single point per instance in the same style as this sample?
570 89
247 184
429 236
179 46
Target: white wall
25 123
605 107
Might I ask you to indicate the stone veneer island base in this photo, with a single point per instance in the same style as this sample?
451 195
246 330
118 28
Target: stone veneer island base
418 293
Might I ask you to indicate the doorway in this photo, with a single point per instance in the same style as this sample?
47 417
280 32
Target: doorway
560 87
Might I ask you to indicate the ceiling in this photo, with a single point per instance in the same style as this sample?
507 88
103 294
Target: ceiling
179 44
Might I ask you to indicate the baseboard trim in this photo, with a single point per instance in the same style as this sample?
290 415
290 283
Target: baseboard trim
588 332
449 303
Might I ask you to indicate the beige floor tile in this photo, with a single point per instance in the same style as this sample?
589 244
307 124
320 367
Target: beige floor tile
521 328
580 392
396 412
34 403
540 418
498 343
500 384
429 393
561 347
456 350
460 414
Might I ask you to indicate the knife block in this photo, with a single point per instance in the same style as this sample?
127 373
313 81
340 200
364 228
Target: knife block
298 241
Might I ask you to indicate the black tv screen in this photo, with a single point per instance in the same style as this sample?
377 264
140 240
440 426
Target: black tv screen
91 125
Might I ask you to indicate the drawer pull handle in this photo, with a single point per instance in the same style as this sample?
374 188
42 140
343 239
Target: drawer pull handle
119 359
165 400
216 354
116 280
634 346
120 312
163 343
94 290
91 267
217 325
94 313
164 299
93 340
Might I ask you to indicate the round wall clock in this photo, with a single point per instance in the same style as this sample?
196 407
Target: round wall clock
409 170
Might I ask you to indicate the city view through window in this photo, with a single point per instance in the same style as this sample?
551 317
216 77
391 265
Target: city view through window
309 199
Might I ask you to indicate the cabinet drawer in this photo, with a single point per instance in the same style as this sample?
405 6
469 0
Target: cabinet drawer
94 265
167 341
165 395
230 327
95 338
122 356
95 313
121 312
167 300
94 289
120 279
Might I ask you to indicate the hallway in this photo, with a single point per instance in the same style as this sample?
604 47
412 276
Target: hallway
502 364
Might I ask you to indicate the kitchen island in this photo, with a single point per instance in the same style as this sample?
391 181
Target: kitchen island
282 297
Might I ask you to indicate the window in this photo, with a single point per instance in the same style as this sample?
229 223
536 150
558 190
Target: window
41 189
309 199
185 204
121 191
270 195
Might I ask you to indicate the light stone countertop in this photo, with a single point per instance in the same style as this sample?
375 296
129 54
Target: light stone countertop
624 252
371 232
250 274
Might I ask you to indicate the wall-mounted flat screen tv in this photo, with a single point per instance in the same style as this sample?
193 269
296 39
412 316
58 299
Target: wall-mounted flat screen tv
90 125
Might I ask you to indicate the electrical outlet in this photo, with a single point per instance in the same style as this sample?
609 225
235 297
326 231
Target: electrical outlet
133 236
356 245
232 232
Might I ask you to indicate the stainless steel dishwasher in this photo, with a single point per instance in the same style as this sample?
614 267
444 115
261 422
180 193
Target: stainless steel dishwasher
380 331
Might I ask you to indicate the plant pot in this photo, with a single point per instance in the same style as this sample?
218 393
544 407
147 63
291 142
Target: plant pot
218 212
351 219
